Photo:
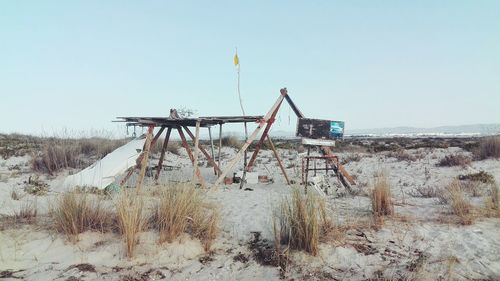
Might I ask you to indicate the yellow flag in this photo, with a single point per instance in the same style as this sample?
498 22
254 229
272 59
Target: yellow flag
236 60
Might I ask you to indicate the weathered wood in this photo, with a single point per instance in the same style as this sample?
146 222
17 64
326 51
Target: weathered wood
212 147
339 167
280 163
238 156
203 150
197 173
317 142
162 155
145 158
262 138
244 176
158 134
220 147
295 109
185 144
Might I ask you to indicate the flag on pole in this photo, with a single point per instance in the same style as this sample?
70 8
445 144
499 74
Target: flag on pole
236 60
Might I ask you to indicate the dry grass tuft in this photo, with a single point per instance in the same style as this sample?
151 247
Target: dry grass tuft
183 209
381 199
56 154
454 160
495 196
75 213
488 148
27 213
402 155
480 176
131 220
300 221
458 203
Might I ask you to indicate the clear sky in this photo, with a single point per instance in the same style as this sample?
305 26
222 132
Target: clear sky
79 64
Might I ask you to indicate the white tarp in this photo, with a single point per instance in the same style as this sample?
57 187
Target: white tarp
105 171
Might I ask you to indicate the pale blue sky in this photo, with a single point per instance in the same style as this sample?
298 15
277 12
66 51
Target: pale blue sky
78 64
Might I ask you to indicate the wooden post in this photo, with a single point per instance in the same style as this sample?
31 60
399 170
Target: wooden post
210 160
144 162
238 156
185 144
211 145
220 147
195 156
279 159
307 167
244 176
162 155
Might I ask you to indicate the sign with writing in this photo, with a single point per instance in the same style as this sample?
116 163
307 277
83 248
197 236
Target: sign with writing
320 129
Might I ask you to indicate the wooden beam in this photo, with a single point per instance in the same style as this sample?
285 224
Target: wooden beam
212 146
262 138
204 151
145 158
220 147
197 173
158 134
279 159
162 155
185 144
340 167
238 155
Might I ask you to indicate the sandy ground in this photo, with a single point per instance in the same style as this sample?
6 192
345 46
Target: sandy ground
418 234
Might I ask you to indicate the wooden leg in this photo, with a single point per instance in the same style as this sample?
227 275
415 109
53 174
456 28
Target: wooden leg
307 167
185 144
158 135
244 176
197 173
211 146
162 155
203 150
279 160
220 147
145 158
262 138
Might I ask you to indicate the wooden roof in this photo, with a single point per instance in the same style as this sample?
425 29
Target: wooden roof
190 122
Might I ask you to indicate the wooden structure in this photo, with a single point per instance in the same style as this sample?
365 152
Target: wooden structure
181 125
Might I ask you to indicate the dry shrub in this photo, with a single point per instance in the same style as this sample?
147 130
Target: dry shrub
488 148
300 221
454 160
131 220
402 155
458 203
27 212
184 209
74 213
57 154
231 141
381 198
495 196
425 192
480 176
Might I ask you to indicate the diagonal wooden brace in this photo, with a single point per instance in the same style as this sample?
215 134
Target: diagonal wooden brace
203 150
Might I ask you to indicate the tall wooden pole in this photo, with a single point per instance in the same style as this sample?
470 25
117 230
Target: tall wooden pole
220 147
